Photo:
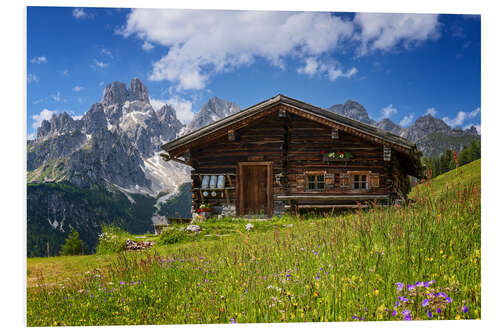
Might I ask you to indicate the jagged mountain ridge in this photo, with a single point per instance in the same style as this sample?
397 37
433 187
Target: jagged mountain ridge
111 156
423 131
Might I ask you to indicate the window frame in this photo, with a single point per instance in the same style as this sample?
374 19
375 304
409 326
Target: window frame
316 181
360 182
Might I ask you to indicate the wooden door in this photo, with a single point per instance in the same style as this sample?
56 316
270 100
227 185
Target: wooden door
254 187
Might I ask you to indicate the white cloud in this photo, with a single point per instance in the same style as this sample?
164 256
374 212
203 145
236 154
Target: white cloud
32 78
45 114
432 111
406 120
457 121
379 31
204 43
147 46
183 108
313 66
157 103
474 112
80 13
39 60
65 72
461 117
388 111
78 88
31 136
100 64
107 52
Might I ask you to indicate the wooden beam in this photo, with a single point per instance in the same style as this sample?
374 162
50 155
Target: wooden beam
334 197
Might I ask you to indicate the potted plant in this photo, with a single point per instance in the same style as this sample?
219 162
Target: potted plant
205 207
336 155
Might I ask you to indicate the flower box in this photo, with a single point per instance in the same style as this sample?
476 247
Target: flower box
334 159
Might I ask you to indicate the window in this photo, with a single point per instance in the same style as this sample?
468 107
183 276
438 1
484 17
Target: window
360 182
315 182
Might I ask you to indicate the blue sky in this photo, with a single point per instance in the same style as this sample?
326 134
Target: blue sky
400 66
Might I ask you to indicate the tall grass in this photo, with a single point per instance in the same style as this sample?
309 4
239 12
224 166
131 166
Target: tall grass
322 269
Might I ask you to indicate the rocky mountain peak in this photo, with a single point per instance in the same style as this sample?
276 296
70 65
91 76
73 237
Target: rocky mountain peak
215 109
58 124
353 110
138 91
389 126
114 93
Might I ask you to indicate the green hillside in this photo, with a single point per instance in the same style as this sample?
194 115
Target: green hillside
345 267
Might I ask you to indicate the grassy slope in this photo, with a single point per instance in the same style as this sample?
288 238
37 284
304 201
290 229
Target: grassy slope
320 269
466 174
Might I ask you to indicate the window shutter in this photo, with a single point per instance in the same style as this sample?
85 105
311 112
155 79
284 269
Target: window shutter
329 181
345 180
374 180
299 178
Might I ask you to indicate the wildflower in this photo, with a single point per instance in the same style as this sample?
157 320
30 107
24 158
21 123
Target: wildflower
408 317
406 312
397 303
410 287
400 285
403 299
440 294
316 253
465 309
419 284
448 299
122 282
438 310
394 313
425 302
233 321
429 314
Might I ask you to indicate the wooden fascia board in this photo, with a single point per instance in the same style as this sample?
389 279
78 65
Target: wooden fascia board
222 131
331 123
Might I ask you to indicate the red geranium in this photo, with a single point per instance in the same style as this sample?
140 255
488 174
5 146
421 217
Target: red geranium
323 152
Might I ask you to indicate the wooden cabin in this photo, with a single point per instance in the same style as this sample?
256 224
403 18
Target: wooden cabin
282 155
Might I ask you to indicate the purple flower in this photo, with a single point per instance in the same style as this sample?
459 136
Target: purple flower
440 294
425 302
355 317
406 312
122 283
233 321
394 313
317 277
397 303
438 310
316 253
408 317
429 314
419 284
400 285
465 309
448 300
403 299
410 287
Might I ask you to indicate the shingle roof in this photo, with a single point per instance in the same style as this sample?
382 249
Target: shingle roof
314 110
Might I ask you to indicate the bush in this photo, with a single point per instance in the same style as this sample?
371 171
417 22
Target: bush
172 236
74 245
112 240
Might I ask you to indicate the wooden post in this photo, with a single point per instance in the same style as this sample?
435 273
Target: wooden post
231 136
335 133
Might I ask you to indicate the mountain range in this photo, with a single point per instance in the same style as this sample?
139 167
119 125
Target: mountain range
105 167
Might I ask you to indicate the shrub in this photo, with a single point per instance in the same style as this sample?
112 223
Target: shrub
112 240
172 236
74 245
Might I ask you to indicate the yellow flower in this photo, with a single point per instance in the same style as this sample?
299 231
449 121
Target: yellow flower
376 292
457 317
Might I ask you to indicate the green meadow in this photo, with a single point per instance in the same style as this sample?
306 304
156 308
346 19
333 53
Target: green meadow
420 261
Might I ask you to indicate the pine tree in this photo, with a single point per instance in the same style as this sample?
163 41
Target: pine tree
74 245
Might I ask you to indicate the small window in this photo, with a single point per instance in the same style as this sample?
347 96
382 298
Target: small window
360 182
315 182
